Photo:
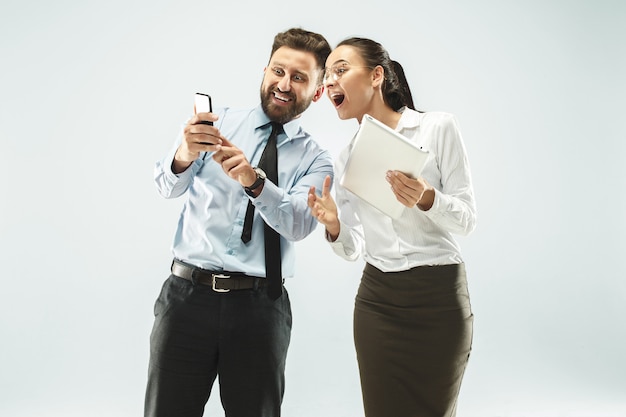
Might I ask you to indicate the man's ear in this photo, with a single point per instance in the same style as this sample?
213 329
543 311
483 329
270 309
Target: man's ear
378 76
319 91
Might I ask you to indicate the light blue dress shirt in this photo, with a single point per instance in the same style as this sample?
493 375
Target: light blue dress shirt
211 221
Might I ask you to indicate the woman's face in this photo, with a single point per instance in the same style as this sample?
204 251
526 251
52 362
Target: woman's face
349 83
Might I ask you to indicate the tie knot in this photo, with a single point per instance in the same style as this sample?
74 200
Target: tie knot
276 127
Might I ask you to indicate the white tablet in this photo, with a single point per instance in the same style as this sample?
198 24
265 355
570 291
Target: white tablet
377 149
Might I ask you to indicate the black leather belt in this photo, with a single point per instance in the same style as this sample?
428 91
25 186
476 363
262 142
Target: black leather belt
218 281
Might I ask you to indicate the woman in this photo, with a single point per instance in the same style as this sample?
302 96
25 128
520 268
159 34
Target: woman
412 316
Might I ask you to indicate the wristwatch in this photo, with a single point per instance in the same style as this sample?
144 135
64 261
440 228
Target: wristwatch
260 179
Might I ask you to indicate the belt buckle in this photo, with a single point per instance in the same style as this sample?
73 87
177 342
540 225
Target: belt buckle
213 278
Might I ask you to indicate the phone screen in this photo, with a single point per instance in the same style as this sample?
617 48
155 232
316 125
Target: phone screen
202 104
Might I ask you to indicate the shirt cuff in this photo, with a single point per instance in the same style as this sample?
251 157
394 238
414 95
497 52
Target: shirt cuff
170 176
270 197
343 245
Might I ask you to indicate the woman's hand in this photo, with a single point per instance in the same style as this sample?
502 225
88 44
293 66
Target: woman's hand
410 191
324 209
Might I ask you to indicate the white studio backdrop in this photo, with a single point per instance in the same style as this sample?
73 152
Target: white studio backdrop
93 93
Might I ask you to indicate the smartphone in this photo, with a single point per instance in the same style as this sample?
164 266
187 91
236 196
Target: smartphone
203 104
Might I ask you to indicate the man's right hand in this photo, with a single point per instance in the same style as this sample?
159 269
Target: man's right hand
198 137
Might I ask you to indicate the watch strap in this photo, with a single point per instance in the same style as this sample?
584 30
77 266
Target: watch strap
260 179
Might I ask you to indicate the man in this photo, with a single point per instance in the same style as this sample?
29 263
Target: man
223 312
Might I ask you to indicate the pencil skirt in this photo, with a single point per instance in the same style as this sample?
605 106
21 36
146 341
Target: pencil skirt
413 337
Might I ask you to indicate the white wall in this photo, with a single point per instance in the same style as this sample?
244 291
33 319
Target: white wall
93 93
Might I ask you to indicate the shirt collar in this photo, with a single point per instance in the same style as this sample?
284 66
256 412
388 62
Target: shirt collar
291 129
409 119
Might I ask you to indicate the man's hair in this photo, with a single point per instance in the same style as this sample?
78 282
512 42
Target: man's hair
303 40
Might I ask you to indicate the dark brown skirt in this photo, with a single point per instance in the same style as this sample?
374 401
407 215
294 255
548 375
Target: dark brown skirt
413 336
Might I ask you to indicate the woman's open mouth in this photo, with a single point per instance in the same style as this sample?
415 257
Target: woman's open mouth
337 98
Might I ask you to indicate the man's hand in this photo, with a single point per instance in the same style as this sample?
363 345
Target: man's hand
235 164
197 138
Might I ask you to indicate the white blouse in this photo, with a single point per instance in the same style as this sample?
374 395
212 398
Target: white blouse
417 237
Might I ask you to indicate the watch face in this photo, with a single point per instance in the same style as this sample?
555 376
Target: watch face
260 173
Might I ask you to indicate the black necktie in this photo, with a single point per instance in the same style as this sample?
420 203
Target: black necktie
273 270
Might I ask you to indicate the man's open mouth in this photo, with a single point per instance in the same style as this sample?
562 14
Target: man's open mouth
282 97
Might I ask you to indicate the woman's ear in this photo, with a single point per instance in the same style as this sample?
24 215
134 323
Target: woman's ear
378 76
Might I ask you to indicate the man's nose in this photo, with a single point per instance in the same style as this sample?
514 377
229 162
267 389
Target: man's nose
284 84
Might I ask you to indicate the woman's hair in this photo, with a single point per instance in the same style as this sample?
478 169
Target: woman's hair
396 91
303 40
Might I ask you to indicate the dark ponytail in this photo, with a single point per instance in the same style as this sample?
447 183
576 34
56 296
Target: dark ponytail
405 98
396 91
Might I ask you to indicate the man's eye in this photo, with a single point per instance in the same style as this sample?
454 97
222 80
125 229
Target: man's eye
298 78
278 71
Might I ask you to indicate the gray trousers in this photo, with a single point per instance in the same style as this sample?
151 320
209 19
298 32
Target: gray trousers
240 337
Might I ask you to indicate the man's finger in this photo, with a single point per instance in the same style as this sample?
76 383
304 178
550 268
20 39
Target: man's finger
226 142
204 118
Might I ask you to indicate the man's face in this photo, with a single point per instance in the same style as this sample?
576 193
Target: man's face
290 84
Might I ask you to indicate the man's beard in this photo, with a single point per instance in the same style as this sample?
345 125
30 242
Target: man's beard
281 114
